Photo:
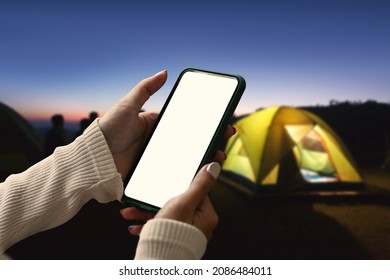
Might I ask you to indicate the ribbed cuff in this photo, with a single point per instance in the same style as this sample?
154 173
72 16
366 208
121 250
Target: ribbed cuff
86 167
104 164
99 151
169 239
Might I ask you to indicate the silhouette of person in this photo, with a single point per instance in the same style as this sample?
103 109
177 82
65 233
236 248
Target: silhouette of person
56 136
92 116
84 123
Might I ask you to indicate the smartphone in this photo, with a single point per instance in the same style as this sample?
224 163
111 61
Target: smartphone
184 138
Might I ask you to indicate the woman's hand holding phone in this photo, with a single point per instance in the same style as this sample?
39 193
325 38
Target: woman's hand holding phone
126 130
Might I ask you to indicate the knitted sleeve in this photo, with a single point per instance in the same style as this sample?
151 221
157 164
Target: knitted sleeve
169 239
52 191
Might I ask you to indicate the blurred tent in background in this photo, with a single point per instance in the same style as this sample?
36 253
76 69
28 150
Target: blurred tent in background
20 144
284 148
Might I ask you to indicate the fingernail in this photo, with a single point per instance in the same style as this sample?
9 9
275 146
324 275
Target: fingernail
163 71
214 169
130 227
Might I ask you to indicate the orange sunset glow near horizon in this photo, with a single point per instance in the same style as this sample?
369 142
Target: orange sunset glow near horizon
74 57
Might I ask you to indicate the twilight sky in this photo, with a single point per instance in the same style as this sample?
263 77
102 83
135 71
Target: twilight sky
75 56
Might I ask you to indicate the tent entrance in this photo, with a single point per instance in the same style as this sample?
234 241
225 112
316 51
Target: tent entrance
311 154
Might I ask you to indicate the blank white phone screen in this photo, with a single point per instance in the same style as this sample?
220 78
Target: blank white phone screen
181 138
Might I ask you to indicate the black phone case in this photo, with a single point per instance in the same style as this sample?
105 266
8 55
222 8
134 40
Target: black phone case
208 156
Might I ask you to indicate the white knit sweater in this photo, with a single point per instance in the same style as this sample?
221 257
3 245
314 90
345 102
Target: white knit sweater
52 191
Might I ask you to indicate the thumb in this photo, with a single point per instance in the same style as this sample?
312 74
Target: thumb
202 184
137 97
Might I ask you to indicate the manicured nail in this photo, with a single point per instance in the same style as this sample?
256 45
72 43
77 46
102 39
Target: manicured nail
130 227
214 169
161 72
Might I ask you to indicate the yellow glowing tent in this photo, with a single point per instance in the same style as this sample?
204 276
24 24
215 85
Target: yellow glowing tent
281 147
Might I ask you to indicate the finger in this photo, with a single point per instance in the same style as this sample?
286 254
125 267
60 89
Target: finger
137 97
150 119
132 213
206 207
219 156
135 229
229 132
202 184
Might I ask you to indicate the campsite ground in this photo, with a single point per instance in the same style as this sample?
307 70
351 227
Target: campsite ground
266 228
304 227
